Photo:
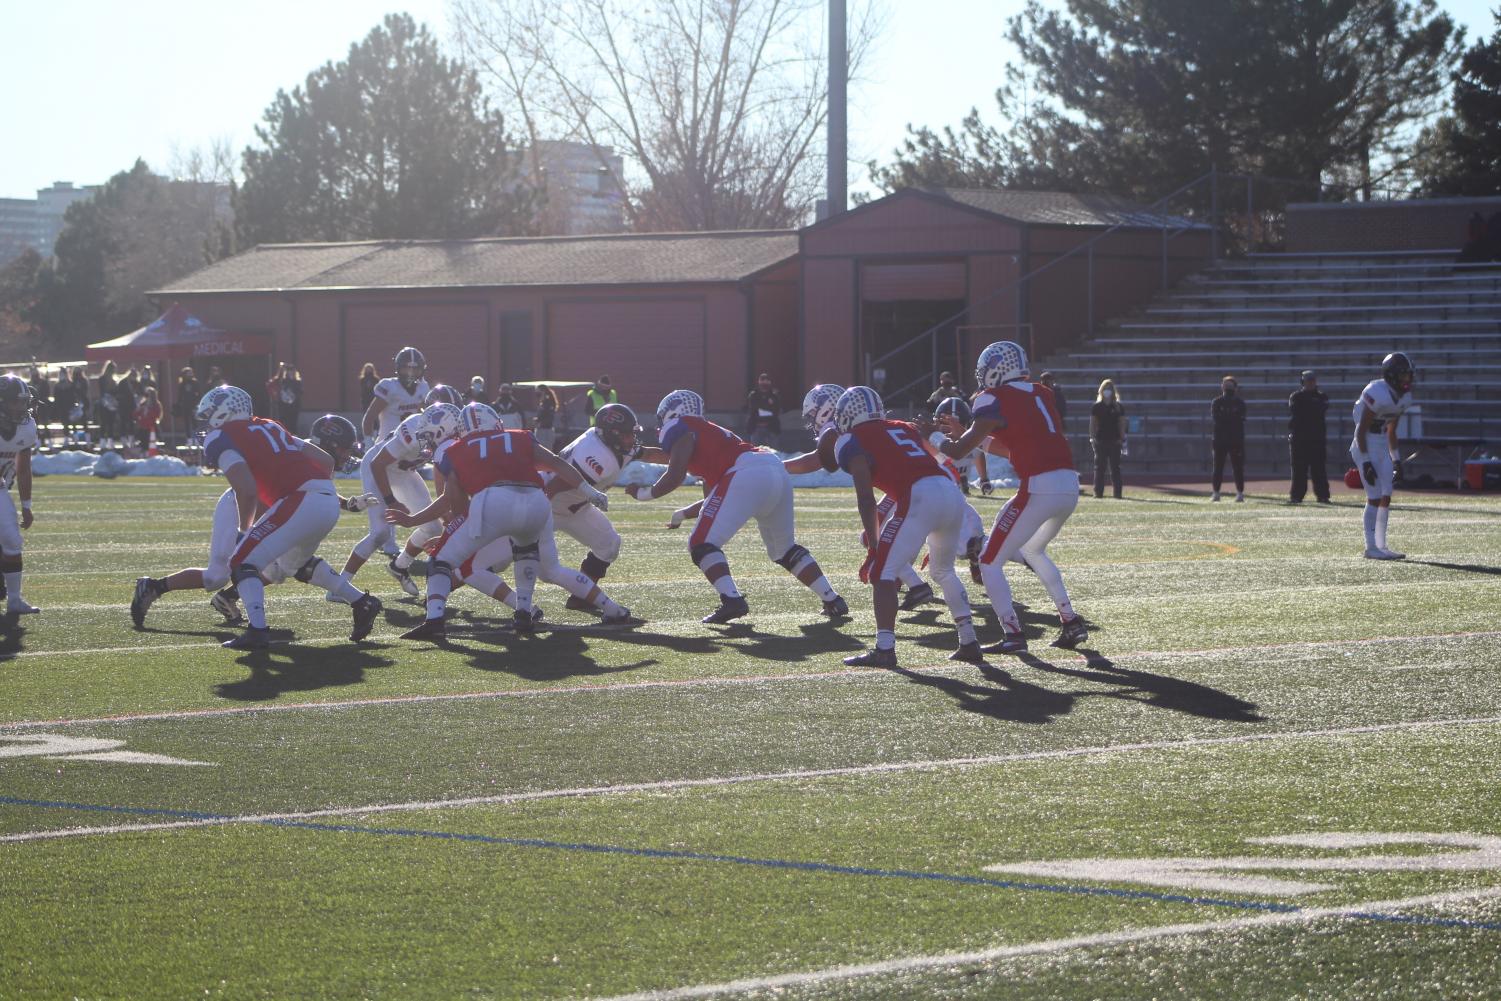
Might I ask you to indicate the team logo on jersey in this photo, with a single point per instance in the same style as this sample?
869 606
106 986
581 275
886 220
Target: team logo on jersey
595 464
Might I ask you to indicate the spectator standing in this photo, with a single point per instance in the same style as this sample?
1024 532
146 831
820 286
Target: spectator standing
1107 434
507 406
368 378
547 416
291 399
1228 412
763 413
109 406
80 411
1048 380
1307 439
599 395
186 400
126 398
216 377
947 389
273 391
41 393
476 392
147 380
62 403
147 415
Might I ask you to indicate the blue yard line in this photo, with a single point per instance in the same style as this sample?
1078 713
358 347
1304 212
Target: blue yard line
687 856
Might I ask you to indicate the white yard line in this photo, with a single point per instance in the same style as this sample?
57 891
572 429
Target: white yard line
885 768
909 964
629 686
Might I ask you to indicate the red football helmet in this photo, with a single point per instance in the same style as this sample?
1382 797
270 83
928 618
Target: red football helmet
1352 478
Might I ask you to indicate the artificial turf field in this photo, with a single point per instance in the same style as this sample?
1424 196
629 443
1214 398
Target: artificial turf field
696 810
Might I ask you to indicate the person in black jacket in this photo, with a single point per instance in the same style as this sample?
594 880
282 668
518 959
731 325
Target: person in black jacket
1107 433
1307 439
1228 411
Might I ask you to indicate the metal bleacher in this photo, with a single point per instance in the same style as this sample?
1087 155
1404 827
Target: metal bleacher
1267 317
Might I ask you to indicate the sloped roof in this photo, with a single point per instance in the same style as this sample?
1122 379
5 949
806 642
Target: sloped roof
1061 208
644 259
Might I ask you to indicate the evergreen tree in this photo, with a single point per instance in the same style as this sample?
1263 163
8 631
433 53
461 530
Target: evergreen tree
1466 146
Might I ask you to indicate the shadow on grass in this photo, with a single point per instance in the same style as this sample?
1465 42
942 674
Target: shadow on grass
1459 567
284 668
1160 691
1004 698
12 630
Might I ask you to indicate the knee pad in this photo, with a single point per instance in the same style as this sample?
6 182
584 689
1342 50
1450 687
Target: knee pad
530 551
792 558
245 571
306 571
593 567
442 568
703 551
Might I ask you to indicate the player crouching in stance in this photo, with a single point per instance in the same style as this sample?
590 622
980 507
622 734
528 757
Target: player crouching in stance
332 433
893 456
291 477
491 477
742 482
18 437
1016 417
1377 410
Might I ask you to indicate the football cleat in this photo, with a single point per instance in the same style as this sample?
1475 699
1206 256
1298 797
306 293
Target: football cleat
730 608
1215 496
525 623
875 657
225 604
919 595
146 593
15 606
1073 633
1013 643
836 608
1240 498
251 639
1372 553
576 604
970 653
430 629
365 612
403 577
625 618
1392 554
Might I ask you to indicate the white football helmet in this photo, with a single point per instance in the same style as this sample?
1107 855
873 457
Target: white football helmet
680 403
857 405
480 417
221 405
818 405
446 421
418 430
1001 362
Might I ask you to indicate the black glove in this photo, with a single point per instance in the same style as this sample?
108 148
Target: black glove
1369 471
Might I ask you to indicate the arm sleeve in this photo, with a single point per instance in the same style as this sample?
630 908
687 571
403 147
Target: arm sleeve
846 448
988 405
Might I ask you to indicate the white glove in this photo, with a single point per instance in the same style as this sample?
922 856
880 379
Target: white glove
596 498
677 518
360 502
641 493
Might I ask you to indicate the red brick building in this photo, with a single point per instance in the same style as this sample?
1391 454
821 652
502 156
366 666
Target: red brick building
704 310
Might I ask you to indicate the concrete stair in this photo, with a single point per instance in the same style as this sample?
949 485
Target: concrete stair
1268 317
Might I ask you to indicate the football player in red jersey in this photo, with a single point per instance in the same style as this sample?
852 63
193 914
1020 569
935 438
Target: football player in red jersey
895 457
490 477
290 478
1016 417
742 482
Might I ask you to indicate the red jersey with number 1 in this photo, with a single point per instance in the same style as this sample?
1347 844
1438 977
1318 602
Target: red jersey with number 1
895 453
1030 427
274 455
483 459
715 449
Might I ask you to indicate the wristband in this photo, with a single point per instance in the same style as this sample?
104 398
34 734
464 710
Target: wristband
389 499
26 505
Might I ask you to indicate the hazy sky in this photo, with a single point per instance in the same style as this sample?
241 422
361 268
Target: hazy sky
89 85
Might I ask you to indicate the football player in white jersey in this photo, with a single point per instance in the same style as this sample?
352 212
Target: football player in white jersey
17 438
398 397
1376 412
392 471
332 433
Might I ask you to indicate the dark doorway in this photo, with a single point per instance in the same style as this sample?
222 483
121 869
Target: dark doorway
889 328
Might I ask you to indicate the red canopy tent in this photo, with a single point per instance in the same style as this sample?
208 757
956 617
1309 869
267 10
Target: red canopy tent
178 336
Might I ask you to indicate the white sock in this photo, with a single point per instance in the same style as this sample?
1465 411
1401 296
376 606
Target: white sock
253 595
608 605
1370 526
999 590
821 588
404 560
885 639
323 576
13 586
725 585
526 582
966 631
1381 515
438 587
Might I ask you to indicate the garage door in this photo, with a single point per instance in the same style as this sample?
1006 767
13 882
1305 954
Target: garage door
927 281
648 347
453 337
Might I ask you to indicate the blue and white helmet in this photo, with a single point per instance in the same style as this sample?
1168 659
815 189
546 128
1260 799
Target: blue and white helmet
1001 362
221 405
445 420
857 405
818 405
480 417
680 403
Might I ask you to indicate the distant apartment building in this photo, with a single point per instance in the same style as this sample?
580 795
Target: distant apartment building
583 190
27 222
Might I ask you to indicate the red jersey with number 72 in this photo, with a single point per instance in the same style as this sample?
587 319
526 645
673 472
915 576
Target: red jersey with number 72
486 458
894 450
1030 428
274 455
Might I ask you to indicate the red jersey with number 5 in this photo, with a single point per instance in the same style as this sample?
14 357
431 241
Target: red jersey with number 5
715 449
895 452
1030 428
274 455
485 458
